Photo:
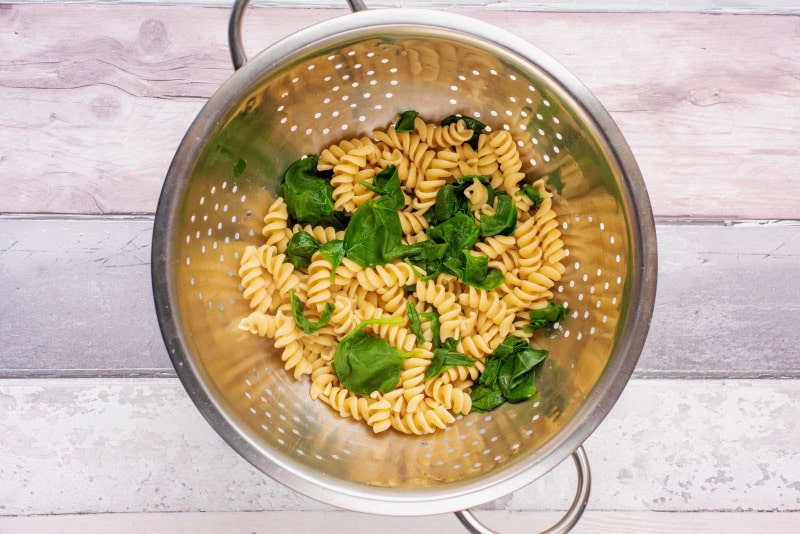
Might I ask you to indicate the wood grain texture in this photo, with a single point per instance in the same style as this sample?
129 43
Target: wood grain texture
340 522
78 296
92 117
88 446
662 6
79 301
728 302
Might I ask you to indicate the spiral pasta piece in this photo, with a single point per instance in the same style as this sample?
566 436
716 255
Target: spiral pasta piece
275 228
379 415
422 422
255 289
508 160
323 379
451 397
393 299
494 246
334 154
476 346
348 404
259 323
438 173
323 234
343 319
396 273
445 304
319 282
433 135
412 222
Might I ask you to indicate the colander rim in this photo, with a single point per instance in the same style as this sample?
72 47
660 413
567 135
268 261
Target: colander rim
451 497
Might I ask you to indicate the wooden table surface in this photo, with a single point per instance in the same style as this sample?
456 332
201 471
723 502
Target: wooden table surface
98 435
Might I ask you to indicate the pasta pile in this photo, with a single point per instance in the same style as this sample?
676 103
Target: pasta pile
426 158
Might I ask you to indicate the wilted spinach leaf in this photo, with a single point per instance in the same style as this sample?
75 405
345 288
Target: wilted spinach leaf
300 248
444 359
554 179
478 274
475 125
406 121
309 195
373 236
333 251
239 167
414 322
486 399
459 233
548 316
374 233
508 375
308 326
450 199
504 219
365 364
534 195
428 256
433 317
387 184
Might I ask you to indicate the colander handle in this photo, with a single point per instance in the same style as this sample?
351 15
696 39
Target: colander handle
238 55
569 519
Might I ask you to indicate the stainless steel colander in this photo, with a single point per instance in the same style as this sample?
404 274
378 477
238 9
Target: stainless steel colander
341 79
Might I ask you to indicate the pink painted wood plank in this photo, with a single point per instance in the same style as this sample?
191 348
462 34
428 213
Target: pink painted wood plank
91 114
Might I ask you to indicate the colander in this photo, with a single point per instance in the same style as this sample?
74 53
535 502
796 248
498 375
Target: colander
344 78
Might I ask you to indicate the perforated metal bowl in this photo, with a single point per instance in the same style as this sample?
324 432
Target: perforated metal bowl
344 78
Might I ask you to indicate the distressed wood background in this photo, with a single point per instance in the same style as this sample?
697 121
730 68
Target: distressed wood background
98 434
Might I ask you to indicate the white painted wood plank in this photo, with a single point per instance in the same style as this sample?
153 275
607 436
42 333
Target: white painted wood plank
636 6
312 522
727 303
704 128
86 446
78 296
93 274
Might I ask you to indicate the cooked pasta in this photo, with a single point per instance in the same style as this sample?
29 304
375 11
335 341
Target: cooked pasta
467 319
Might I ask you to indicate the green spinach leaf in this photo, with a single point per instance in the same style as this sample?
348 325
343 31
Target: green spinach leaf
475 125
300 248
534 195
554 179
406 121
365 364
459 232
486 399
309 195
444 359
450 199
414 322
504 220
548 316
308 326
239 167
333 251
508 375
428 256
387 184
374 233
436 326
478 274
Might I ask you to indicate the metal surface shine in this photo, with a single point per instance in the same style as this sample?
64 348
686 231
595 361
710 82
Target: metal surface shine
340 79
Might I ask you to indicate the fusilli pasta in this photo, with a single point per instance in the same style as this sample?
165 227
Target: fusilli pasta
475 321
